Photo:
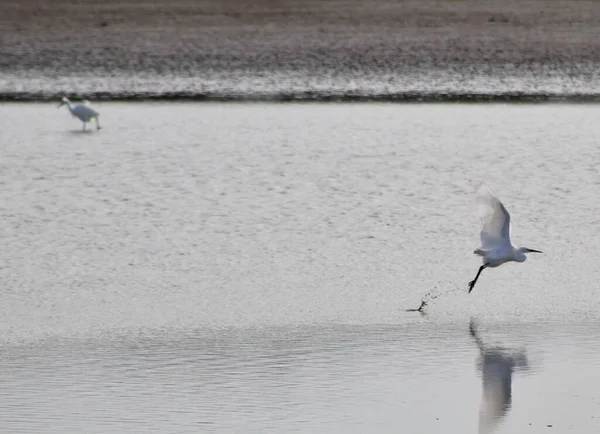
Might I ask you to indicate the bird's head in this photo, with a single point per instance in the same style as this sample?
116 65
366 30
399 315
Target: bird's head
63 101
522 251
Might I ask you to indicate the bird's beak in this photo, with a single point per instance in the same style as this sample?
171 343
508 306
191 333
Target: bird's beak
535 251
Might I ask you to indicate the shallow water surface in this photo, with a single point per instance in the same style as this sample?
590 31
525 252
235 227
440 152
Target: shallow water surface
246 268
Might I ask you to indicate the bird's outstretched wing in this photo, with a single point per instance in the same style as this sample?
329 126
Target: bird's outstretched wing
495 220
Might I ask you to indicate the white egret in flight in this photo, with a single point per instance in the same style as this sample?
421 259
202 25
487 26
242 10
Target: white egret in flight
496 248
81 111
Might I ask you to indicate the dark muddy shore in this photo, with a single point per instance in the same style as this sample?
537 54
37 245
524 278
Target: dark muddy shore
286 50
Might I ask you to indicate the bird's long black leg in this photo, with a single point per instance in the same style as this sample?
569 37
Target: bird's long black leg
474 281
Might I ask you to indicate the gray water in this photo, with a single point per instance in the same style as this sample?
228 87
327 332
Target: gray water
236 268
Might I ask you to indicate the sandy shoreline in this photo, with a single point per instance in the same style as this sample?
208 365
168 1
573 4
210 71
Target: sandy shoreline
309 50
423 97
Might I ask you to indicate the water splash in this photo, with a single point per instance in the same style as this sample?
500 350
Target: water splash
432 295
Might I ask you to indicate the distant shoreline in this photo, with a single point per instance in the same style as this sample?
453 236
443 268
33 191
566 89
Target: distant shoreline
312 97
318 50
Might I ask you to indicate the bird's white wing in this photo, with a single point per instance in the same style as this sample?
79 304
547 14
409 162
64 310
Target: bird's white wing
495 220
84 112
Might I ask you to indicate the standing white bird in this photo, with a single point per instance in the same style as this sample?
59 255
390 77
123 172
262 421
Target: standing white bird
81 111
496 248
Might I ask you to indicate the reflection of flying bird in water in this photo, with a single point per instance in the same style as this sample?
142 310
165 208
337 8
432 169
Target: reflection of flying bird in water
497 366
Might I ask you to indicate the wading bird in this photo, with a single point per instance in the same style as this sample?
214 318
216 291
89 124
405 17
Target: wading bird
81 111
496 248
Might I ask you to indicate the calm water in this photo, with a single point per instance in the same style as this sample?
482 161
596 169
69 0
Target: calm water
236 268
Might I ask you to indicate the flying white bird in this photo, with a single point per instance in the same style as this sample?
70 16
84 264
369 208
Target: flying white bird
83 112
496 248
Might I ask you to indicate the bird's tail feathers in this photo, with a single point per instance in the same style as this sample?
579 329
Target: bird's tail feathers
479 252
